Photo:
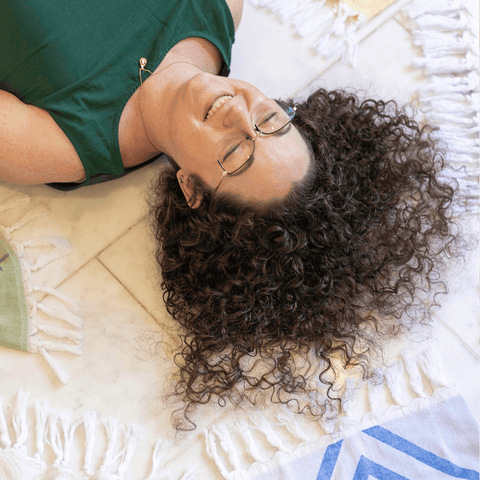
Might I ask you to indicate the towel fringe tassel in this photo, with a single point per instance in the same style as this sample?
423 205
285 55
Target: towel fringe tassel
335 28
68 309
219 438
450 100
56 434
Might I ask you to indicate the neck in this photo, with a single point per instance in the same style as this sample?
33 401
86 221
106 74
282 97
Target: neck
157 97
137 143
182 62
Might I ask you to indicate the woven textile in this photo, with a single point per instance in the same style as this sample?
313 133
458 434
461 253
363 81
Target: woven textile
13 307
20 327
433 437
56 435
425 444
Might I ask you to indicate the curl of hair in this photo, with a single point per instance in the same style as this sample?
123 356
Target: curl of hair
352 254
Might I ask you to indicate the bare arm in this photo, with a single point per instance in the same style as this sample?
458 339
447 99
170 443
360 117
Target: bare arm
33 148
236 7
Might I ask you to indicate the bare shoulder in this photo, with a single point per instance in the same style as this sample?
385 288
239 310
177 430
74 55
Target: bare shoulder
236 7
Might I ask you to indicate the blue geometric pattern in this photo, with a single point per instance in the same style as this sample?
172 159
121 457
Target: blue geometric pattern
329 461
367 467
428 458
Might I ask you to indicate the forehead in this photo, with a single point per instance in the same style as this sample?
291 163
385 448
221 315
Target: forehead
279 160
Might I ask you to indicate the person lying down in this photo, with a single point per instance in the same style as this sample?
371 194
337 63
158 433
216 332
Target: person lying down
284 230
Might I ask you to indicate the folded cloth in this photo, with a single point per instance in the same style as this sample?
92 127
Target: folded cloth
439 442
20 328
431 438
13 306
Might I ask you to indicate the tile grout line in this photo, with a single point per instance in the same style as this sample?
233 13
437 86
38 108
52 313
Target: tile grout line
95 257
470 349
120 236
402 25
364 33
125 287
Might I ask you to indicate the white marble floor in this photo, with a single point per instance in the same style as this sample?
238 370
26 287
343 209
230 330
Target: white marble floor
112 272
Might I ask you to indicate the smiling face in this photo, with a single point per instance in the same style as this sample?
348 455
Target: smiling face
202 110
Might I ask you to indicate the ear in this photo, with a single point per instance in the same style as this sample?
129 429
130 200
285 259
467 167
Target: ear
188 188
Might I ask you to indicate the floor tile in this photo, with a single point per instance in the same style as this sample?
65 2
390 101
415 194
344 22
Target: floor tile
282 64
131 259
462 366
90 218
384 67
460 310
125 369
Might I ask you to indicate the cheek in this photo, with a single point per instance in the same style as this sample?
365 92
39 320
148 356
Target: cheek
196 153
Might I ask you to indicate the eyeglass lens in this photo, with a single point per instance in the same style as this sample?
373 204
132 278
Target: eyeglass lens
270 116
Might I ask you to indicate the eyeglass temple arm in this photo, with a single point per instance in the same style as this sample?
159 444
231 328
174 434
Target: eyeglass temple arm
225 173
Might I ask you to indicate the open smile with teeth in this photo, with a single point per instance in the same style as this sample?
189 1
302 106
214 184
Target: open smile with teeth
217 104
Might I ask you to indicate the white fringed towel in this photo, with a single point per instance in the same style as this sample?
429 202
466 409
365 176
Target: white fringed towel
20 326
54 432
431 437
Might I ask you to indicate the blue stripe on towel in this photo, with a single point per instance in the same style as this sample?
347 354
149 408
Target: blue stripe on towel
366 467
428 458
329 461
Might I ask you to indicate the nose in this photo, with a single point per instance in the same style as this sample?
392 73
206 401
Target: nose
239 118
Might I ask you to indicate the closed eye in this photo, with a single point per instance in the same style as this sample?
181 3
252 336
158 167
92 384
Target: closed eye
245 167
251 160
266 119
284 130
230 151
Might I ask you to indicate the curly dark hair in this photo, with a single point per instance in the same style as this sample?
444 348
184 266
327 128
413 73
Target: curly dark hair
353 253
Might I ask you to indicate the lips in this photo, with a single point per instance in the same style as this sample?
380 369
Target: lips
216 105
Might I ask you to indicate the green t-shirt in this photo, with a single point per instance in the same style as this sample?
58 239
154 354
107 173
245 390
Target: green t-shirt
78 59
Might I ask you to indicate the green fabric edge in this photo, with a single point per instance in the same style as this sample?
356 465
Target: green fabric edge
13 305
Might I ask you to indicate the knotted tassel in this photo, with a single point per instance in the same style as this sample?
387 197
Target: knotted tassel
4 435
54 365
286 418
244 429
265 427
159 453
133 434
415 381
112 429
212 452
62 247
19 418
41 415
89 424
68 301
226 442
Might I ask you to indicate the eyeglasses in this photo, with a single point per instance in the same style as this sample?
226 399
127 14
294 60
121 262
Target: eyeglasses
236 149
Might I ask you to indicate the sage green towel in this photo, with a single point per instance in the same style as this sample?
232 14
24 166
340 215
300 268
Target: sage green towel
13 307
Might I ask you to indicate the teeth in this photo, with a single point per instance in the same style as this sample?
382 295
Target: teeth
217 104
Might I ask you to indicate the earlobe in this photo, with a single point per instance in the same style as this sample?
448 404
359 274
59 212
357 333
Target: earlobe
188 189
196 203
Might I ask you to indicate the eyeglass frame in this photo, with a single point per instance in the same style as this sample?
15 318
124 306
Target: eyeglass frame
259 132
